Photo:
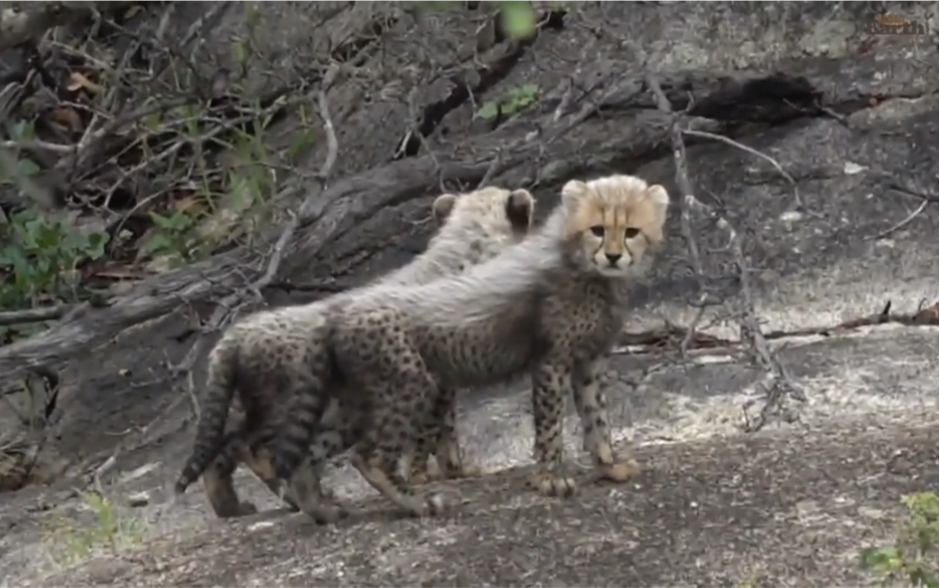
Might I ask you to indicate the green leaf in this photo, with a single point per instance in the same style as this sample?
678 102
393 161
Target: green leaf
96 243
22 130
181 221
518 19
251 14
48 238
6 255
21 265
155 244
26 168
880 558
29 232
489 110
24 215
527 90
162 222
925 504
153 120
926 578
238 52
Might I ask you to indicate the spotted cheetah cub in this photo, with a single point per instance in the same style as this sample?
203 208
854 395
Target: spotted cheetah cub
550 307
270 355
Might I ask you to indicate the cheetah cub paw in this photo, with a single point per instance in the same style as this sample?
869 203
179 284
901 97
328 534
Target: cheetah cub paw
429 505
325 514
554 484
619 471
434 473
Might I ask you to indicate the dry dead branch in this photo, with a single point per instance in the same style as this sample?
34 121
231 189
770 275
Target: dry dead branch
228 306
778 386
227 309
33 315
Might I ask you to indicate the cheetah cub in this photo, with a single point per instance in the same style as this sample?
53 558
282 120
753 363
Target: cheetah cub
550 307
270 355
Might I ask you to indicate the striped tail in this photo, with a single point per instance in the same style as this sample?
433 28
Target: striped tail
210 434
306 411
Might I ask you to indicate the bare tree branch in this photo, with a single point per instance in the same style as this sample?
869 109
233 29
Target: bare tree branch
714 136
33 315
36 144
227 308
777 384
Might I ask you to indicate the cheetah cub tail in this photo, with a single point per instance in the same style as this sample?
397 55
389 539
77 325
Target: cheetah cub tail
220 388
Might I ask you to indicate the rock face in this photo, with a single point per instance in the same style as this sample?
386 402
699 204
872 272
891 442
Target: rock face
848 113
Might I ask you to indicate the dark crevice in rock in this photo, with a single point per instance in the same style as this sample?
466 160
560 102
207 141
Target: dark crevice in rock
434 113
775 99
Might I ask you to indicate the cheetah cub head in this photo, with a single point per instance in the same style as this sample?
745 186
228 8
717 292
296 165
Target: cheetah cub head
490 211
612 223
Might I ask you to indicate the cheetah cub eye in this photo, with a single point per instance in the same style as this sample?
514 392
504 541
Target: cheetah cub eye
597 230
632 233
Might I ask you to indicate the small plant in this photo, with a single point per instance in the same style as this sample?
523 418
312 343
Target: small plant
38 259
169 237
915 555
518 99
38 254
73 542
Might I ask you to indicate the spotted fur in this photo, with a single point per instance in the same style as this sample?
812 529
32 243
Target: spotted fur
271 355
550 307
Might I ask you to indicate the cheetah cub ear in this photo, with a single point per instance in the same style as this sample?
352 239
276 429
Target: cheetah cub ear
443 206
572 193
659 199
520 210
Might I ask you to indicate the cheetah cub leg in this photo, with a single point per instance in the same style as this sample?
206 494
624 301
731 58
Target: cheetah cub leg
305 490
219 485
551 384
442 436
402 393
256 454
393 435
592 409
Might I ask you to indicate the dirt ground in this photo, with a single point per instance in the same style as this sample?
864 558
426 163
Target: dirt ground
781 509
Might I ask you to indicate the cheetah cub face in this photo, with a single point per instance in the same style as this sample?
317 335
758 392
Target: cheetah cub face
613 224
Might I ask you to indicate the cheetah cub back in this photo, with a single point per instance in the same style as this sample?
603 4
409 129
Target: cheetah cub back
550 307
269 355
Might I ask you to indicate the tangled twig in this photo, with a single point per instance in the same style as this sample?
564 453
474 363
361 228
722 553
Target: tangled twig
777 384
228 306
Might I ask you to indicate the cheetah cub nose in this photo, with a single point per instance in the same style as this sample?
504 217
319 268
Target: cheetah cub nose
613 257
